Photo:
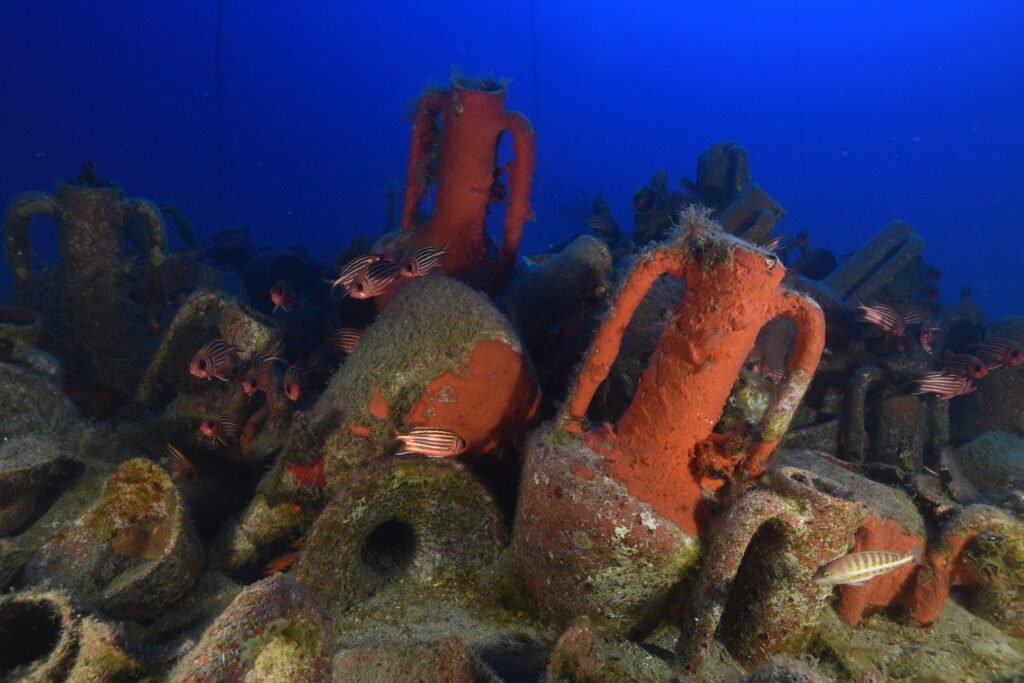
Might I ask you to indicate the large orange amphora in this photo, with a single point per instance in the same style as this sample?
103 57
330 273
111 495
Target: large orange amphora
619 508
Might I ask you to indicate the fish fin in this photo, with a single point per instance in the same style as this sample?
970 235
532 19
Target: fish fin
918 554
855 583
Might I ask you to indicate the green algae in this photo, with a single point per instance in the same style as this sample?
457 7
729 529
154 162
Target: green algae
283 651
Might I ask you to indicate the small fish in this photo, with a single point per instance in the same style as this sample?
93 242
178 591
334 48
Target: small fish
346 339
856 569
602 223
966 292
354 268
998 353
375 280
963 365
296 379
772 244
925 335
422 261
917 314
311 474
259 373
180 465
213 360
294 509
282 296
434 442
884 317
281 563
944 386
932 273
221 429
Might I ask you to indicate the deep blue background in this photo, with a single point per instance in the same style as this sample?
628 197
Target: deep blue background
854 113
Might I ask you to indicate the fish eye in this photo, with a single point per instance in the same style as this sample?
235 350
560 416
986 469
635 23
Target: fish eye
201 364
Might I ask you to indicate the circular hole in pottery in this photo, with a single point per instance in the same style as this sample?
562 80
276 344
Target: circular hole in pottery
388 550
29 631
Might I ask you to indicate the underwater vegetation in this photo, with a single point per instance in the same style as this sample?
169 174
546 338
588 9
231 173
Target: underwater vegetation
700 449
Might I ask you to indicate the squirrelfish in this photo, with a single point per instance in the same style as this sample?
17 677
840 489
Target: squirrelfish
964 365
213 360
259 373
282 296
281 562
884 317
221 429
772 244
603 223
179 464
296 379
917 314
375 280
855 569
997 353
422 261
925 334
354 268
944 386
346 339
434 442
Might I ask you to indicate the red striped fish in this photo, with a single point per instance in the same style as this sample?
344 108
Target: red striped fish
215 359
346 339
221 429
296 379
179 464
603 223
375 280
925 335
997 353
282 296
434 442
884 317
944 386
772 244
917 314
422 261
965 366
855 569
354 268
259 373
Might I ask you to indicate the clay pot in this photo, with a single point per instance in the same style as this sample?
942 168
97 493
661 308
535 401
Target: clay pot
132 554
29 465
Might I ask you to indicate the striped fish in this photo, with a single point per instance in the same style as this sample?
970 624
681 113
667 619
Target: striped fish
213 360
375 280
258 373
884 317
422 261
346 339
603 223
282 296
917 314
296 379
964 365
221 429
179 464
925 334
998 353
772 244
856 569
434 442
354 268
944 386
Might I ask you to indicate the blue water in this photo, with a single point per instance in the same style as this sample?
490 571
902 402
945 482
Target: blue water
854 113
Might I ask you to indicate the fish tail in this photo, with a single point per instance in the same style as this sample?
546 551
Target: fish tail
918 554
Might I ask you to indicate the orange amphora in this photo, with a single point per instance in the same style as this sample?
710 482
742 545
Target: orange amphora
609 518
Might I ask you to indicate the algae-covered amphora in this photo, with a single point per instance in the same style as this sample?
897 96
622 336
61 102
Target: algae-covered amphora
609 518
